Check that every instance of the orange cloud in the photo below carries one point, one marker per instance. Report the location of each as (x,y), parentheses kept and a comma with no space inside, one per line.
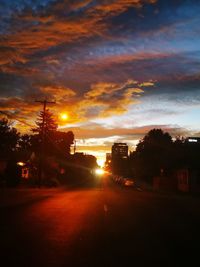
(38,32)
(110,98)
(51,32)
(101,88)
(119,6)
(19,70)
(59,93)
(147,84)
(101,100)
(19,111)
(9,54)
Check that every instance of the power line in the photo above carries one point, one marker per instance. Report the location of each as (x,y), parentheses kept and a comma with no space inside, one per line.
(12,117)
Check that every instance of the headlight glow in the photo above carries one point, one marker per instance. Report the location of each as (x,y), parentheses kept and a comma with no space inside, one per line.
(99,171)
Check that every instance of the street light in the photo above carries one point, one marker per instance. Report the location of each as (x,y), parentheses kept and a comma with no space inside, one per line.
(20,163)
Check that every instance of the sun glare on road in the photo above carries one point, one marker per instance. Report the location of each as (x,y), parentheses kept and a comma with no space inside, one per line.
(100,161)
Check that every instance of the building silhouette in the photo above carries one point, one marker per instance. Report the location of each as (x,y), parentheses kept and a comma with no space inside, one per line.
(120,159)
(108,157)
(193,140)
(108,161)
(119,151)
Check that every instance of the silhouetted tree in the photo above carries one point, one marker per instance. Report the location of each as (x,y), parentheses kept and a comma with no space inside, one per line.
(8,138)
(25,142)
(44,131)
(63,142)
(153,153)
(55,143)
(48,126)
(156,139)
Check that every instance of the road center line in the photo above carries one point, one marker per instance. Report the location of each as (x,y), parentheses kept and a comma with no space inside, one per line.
(105,207)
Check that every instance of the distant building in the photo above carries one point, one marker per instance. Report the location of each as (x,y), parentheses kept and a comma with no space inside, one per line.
(108,161)
(194,140)
(108,157)
(119,158)
(120,151)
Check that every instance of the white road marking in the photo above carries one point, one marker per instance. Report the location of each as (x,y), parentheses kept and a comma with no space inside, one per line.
(105,207)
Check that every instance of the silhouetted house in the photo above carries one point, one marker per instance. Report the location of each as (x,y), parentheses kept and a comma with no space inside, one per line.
(119,151)
(3,165)
(165,183)
(25,172)
(183,180)
(188,176)
(188,180)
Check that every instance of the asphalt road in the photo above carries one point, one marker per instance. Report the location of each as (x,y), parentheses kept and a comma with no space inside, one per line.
(105,225)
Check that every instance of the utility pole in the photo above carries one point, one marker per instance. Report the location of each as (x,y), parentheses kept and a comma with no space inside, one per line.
(74,146)
(43,136)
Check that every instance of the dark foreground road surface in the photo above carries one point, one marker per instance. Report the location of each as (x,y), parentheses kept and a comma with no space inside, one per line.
(101,226)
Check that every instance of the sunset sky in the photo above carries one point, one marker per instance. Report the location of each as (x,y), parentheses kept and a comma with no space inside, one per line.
(118,68)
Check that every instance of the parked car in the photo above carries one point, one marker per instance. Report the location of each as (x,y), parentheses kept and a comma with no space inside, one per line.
(118,178)
(128,182)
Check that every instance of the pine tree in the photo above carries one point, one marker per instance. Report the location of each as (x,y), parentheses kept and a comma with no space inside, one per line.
(45,130)
(45,123)
(48,139)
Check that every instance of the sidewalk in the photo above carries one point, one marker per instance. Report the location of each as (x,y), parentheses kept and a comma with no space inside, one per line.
(15,196)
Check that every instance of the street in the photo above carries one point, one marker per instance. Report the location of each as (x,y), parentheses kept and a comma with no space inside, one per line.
(103,225)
